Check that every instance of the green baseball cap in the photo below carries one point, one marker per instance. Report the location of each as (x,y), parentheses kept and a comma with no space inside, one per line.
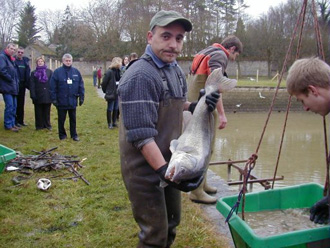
(163,18)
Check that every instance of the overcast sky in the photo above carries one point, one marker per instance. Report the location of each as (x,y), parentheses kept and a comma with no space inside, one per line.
(257,7)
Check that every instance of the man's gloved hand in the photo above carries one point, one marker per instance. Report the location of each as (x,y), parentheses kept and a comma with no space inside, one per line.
(184,186)
(192,107)
(319,212)
(81,101)
(211,100)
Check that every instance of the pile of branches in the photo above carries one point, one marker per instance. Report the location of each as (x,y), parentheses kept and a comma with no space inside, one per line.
(46,161)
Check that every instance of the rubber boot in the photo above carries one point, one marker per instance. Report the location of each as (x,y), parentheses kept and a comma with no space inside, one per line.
(109,114)
(200,196)
(114,118)
(209,189)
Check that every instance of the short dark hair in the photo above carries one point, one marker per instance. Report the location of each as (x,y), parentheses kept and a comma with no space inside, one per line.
(231,41)
(133,56)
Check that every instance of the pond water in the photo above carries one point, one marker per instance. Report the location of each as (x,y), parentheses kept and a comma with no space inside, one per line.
(271,223)
(302,158)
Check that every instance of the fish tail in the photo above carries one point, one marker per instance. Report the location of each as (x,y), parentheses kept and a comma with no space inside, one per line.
(225,84)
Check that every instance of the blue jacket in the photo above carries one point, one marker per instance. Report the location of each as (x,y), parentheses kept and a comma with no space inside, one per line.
(8,75)
(66,85)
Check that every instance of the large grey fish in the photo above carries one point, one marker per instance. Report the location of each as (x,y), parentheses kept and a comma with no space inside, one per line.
(192,150)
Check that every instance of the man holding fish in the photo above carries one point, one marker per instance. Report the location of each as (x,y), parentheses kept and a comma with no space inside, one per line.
(152,96)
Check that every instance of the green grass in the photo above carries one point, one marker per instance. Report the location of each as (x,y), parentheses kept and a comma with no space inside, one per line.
(71,213)
(262,82)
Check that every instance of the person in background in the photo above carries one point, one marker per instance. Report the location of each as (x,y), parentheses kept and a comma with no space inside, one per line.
(109,87)
(23,71)
(124,64)
(9,86)
(66,87)
(99,77)
(207,60)
(94,76)
(152,98)
(132,58)
(309,81)
(40,94)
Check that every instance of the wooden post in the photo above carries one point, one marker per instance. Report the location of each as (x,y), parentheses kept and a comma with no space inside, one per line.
(257,75)
(275,76)
(50,64)
(240,179)
(229,172)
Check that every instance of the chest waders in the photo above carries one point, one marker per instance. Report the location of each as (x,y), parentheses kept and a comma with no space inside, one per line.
(157,210)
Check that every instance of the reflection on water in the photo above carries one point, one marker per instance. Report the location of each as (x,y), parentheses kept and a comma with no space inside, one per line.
(303,154)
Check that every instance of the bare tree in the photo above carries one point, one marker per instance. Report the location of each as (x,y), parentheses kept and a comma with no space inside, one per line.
(9,17)
(108,28)
(50,20)
(103,19)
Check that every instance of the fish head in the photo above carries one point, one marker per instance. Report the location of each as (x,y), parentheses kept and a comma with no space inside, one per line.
(182,167)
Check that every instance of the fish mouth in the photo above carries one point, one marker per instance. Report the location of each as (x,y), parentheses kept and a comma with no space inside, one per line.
(182,175)
(169,174)
(175,177)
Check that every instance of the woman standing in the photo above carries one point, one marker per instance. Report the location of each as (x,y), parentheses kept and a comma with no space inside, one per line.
(39,93)
(125,62)
(109,87)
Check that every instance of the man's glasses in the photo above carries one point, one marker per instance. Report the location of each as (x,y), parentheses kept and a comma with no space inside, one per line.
(20,52)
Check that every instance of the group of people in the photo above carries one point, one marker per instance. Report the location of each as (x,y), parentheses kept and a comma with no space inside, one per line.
(153,94)
(61,88)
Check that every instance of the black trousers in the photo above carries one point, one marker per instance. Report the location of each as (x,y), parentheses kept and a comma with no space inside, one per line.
(42,115)
(61,113)
(20,106)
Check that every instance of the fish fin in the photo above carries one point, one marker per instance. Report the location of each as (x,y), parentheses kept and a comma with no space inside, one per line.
(173,145)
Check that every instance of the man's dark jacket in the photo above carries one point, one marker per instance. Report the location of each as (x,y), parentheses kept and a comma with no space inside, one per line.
(8,75)
(63,94)
(27,73)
